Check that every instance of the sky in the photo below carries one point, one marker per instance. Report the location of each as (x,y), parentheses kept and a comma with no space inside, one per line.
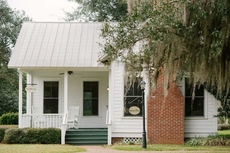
(44,10)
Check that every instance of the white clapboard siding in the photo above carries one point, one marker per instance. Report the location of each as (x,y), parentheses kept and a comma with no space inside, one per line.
(121,126)
(75,94)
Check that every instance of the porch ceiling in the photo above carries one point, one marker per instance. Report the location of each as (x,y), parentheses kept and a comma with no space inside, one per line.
(57,45)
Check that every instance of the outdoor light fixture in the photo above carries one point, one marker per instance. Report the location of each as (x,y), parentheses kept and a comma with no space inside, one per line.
(142,84)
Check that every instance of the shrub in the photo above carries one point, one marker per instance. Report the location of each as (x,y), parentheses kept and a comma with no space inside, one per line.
(13,136)
(9,119)
(33,136)
(209,141)
(50,136)
(2,134)
(223,127)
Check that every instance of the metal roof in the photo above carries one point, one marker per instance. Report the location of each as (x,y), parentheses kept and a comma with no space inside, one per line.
(57,44)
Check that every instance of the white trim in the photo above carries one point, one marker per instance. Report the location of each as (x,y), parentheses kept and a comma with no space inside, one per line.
(65,92)
(20,100)
(29,94)
(127,134)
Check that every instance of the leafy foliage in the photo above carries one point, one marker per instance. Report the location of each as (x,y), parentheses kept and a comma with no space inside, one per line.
(9,119)
(223,126)
(98,10)
(10,24)
(209,141)
(33,136)
(177,36)
(2,134)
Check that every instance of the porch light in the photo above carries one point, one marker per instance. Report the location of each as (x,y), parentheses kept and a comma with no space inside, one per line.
(142,84)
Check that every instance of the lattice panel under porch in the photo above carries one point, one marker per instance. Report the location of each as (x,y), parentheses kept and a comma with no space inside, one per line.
(132,140)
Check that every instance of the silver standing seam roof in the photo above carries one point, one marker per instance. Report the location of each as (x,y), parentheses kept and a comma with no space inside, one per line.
(57,44)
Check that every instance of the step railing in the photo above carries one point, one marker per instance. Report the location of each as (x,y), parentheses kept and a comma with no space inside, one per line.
(64,128)
(109,124)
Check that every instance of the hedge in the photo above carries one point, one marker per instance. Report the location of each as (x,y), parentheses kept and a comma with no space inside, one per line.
(2,133)
(33,136)
(9,119)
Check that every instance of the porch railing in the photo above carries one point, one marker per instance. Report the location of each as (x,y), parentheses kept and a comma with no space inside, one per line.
(42,120)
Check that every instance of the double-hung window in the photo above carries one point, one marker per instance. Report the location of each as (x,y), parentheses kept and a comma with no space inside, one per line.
(194,108)
(132,98)
(50,97)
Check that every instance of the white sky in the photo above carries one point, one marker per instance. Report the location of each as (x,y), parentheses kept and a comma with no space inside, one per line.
(43,10)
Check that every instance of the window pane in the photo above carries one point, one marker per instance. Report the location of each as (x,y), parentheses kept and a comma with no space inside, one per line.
(90,99)
(54,89)
(50,105)
(130,102)
(196,107)
(50,97)
(133,99)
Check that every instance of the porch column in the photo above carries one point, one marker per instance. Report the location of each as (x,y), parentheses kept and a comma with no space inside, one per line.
(20,100)
(65,92)
(29,95)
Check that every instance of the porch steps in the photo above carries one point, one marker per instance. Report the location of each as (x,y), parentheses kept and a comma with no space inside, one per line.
(87,136)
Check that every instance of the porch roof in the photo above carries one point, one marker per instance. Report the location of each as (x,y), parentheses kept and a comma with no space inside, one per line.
(57,45)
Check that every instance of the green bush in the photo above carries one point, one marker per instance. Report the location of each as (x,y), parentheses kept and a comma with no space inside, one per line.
(209,141)
(223,127)
(13,136)
(9,119)
(2,134)
(33,136)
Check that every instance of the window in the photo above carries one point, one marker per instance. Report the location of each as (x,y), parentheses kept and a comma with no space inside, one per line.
(50,97)
(133,98)
(194,108)
(90,99)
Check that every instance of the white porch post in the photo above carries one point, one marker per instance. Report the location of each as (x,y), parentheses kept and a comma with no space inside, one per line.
(28,95)
(20,100)
(64,124)
(65,92)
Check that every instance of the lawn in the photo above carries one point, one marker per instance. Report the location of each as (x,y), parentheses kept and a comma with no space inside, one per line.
(181,148)
(224,132)
(31,148)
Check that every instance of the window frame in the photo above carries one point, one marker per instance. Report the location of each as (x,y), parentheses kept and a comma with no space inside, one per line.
(99,96)
(204,103)
(91,98)
(43,96)
(124,107)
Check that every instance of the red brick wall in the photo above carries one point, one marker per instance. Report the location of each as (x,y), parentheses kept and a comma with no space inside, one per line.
(165,115)
(117,140)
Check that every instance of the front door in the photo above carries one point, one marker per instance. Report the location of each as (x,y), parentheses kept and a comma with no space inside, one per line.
(90,98)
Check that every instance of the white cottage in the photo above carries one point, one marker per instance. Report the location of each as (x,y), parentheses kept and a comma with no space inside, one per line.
(68,88)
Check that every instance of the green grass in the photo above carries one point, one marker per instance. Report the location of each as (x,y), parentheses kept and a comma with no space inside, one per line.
(29,148)
(216,149)
(224,132)
(8,126)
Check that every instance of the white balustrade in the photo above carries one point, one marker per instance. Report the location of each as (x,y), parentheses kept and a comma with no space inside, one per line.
(42,120)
